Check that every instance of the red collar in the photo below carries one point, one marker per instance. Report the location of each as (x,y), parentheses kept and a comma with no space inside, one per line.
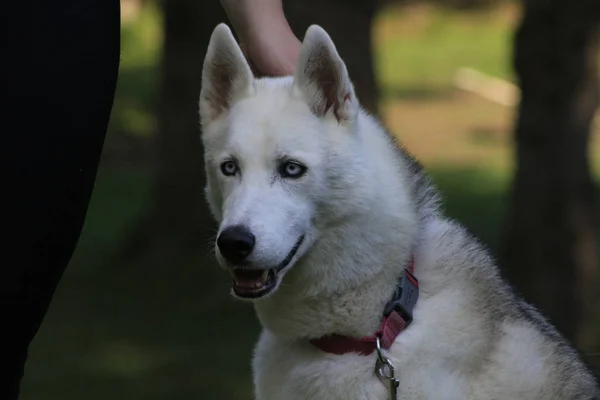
(397,317)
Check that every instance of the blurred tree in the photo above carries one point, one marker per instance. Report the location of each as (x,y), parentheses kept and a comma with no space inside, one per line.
(550,249)
(349,24)
(178,223)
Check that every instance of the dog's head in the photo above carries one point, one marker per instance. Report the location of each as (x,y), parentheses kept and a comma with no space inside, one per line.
(274,150)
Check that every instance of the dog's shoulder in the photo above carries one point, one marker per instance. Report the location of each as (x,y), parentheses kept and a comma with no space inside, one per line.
(509,342)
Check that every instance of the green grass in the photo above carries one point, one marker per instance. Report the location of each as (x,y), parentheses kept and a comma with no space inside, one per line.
(126,331)
(135,100)
(421,48)
(120,198)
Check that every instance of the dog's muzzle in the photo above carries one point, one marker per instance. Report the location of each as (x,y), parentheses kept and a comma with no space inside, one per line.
(253,283)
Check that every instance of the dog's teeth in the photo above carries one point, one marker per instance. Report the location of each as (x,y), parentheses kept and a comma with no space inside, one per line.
(250,279)
(264,277)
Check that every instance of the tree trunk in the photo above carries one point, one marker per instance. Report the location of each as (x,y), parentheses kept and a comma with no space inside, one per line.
(178,222)
(188,25)
(349,23)
(550,252)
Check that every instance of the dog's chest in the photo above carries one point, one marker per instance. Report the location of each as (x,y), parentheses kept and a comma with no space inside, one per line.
(302,373)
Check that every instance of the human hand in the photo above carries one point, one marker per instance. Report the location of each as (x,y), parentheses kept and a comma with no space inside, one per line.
(272,50)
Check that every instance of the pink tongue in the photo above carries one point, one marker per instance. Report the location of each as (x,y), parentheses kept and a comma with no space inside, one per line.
(249,279)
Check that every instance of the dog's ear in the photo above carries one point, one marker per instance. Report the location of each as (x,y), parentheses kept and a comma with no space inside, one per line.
(226,75)
(322,77)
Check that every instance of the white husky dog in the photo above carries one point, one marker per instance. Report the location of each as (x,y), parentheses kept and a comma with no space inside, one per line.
(336,235)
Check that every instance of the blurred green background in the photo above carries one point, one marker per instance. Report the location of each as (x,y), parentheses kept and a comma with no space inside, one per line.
(142,329)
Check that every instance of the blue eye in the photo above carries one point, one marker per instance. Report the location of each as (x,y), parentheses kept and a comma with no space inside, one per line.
(292,169)
(229,168)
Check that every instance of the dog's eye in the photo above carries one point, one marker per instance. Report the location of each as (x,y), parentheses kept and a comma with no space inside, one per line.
(229,168)
(292,169)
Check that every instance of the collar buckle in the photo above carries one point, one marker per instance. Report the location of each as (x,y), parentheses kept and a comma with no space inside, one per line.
(405,298)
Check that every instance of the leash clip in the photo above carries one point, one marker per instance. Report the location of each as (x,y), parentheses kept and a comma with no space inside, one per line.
(384,369)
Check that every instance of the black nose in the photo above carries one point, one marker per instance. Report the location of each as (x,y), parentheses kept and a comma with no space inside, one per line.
(236,243)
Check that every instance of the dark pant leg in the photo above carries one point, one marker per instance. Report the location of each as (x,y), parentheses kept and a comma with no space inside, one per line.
(58,70)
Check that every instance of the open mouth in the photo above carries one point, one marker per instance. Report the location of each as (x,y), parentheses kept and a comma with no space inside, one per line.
(255,283)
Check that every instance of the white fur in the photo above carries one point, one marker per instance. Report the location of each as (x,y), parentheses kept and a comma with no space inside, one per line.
(363,210)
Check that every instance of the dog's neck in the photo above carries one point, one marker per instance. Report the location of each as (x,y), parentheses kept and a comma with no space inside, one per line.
(305,307)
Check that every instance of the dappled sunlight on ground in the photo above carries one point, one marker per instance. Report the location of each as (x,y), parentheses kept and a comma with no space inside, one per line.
(459,130)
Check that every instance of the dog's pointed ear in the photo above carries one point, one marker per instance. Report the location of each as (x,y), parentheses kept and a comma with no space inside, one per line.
(322,77)
(226,75)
